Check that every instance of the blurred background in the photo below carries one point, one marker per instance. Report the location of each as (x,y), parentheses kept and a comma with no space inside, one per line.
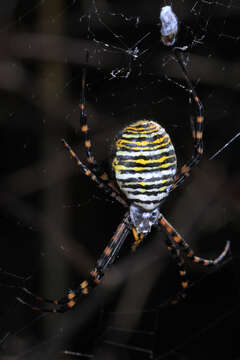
(55,223)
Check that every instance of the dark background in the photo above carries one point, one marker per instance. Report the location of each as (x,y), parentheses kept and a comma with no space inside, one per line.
(55,223)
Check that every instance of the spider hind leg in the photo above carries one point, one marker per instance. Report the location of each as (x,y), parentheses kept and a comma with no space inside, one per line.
(182,272)
(174,236)
(61,305)
(103,263)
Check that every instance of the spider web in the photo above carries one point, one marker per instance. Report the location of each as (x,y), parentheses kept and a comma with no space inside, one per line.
(48,209)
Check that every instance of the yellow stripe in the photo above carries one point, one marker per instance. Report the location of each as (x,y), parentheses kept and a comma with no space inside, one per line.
(130,134)
(164,166)
(139,168)
(148,191)
(120,146)
(140,129)
(146,148)
(142,183)
(143,161)
(120,142)
(142,132)
(143,143)
(163,188)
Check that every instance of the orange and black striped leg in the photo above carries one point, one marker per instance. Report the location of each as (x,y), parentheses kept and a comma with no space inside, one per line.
(100,183)
(138,238)
(109,254)
(196,124)
(181,243)
(112,249)
(59,306)
(85,130)
(182,272)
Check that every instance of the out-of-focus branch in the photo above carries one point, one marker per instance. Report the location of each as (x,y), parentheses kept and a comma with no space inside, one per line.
(45,47)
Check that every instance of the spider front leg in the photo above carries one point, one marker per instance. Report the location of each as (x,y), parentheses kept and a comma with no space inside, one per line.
(100,183)
(85,129)
(174,236)
(196,125)
(97,174)
(103,263)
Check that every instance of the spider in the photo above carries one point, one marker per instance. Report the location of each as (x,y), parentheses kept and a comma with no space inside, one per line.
(145,171)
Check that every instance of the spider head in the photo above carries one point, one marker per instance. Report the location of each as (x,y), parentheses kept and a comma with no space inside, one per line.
(143,220)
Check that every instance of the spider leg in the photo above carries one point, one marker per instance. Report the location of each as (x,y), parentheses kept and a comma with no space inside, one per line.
(138,238)
(100,183)
(85,129)
(182,272)
(174,236)
(106,259)
(196,125)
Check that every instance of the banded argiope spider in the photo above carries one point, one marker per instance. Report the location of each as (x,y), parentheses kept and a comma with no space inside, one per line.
(145,171)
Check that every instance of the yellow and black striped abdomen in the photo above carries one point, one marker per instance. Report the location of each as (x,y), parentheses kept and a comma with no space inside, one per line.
(144,163)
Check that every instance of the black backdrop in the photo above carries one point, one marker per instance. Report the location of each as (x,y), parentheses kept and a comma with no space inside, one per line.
(55,223)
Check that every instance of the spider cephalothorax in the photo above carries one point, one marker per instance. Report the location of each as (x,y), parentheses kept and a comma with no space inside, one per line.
(143,220)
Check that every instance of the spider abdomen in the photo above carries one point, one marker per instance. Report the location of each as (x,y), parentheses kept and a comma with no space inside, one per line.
(144,163)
